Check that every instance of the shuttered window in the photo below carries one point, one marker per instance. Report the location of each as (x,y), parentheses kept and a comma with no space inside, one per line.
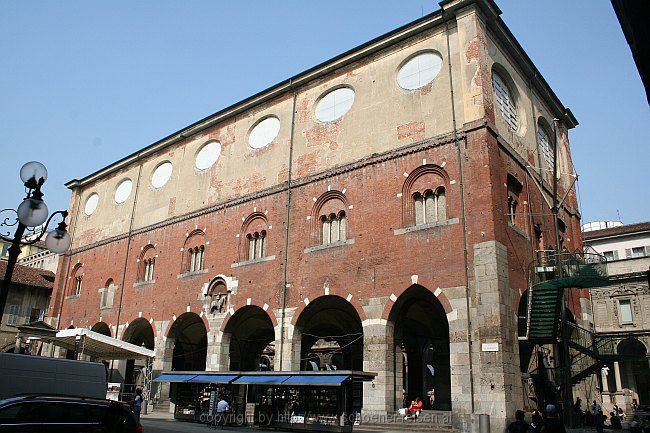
(505,101)
(545,146)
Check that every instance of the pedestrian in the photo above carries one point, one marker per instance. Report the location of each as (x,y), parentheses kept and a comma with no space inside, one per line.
(577,412)
(137,403)
(222,408)
(551,423)
(595,407)
(536,422)
(519,425)
(600,421)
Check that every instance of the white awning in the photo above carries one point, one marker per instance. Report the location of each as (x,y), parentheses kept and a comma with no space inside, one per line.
(99,346)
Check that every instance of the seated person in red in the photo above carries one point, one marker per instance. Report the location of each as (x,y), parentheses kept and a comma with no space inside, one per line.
(415,408)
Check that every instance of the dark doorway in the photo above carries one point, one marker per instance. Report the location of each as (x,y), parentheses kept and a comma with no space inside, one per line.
(331,335)
(422,340)
(635,372)
(251,340)
(139,333)
(190,343)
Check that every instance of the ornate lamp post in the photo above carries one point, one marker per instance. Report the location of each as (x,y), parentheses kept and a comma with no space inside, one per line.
(31,213)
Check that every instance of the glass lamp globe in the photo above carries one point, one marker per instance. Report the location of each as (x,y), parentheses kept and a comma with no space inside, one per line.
(58,241)
(32,212)
(33,170)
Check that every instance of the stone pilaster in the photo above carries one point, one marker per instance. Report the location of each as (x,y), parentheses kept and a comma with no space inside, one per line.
(378,353)
(290,346)
(497,378)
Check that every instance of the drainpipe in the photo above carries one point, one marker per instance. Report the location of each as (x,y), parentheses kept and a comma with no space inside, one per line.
(126,260)
(462,210)
(283,293)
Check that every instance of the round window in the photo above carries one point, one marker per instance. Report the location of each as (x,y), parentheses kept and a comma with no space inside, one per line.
(264,132)
(123,191)
(208,155)
(419,71)
(91,204)
(335,104)
(161,174)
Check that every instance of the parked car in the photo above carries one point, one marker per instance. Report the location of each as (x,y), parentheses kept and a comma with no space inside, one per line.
(63,414)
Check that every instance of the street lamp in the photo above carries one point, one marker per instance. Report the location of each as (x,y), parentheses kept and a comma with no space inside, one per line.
(31,213)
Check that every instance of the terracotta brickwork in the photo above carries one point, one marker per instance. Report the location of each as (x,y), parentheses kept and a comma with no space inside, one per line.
(472,258)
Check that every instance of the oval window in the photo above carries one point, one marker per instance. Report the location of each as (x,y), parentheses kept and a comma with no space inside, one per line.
(123,191)
(335,104)
(419,71)
(91,204)
(161,174)
(208,155)
(264,132)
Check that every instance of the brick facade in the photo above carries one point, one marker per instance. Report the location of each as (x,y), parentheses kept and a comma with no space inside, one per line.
(472,263)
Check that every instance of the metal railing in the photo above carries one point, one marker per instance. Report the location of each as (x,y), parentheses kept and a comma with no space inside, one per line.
(548,265)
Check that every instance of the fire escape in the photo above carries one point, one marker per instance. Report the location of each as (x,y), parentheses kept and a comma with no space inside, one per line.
(545,325)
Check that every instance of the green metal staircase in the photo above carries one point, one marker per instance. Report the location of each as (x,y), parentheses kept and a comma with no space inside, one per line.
(550,274)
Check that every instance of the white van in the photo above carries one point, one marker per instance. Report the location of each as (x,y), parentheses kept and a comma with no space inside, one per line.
(26,374)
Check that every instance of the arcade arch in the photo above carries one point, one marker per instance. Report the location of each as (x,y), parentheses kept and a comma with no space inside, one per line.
(101,328)
(329,335)
(249,338)
(188,338)
(421,343)
(140,333)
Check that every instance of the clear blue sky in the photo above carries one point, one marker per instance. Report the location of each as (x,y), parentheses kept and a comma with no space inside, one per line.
(83,83)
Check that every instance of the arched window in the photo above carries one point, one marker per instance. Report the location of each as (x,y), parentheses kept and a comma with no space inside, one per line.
(195,260)
(424,199)
(514,191)
(256,245)
(107,294)
(329,216)
(429,207)
(334,228)
(194,252)
(147,264)
(546,148)
(76,279)
(505,101)
(512,210)
(254,232)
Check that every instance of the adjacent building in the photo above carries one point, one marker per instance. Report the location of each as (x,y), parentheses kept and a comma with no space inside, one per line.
(379,212)
(622,309)
(27,300)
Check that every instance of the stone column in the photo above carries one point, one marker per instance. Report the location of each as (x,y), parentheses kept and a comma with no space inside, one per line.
(218,354)
(617,376)
(289,344)
(378,395)
(603,376)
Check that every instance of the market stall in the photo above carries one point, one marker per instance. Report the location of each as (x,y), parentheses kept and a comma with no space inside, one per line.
(303,400)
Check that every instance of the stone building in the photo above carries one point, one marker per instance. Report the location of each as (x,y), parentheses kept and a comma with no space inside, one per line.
(27,300)
(622,310)
(386,203)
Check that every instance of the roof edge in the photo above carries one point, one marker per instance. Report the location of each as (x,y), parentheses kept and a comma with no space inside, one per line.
(348,57)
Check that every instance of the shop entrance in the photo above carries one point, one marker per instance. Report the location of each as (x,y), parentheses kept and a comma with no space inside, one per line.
(251,338)
(331,335)
(422,348)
